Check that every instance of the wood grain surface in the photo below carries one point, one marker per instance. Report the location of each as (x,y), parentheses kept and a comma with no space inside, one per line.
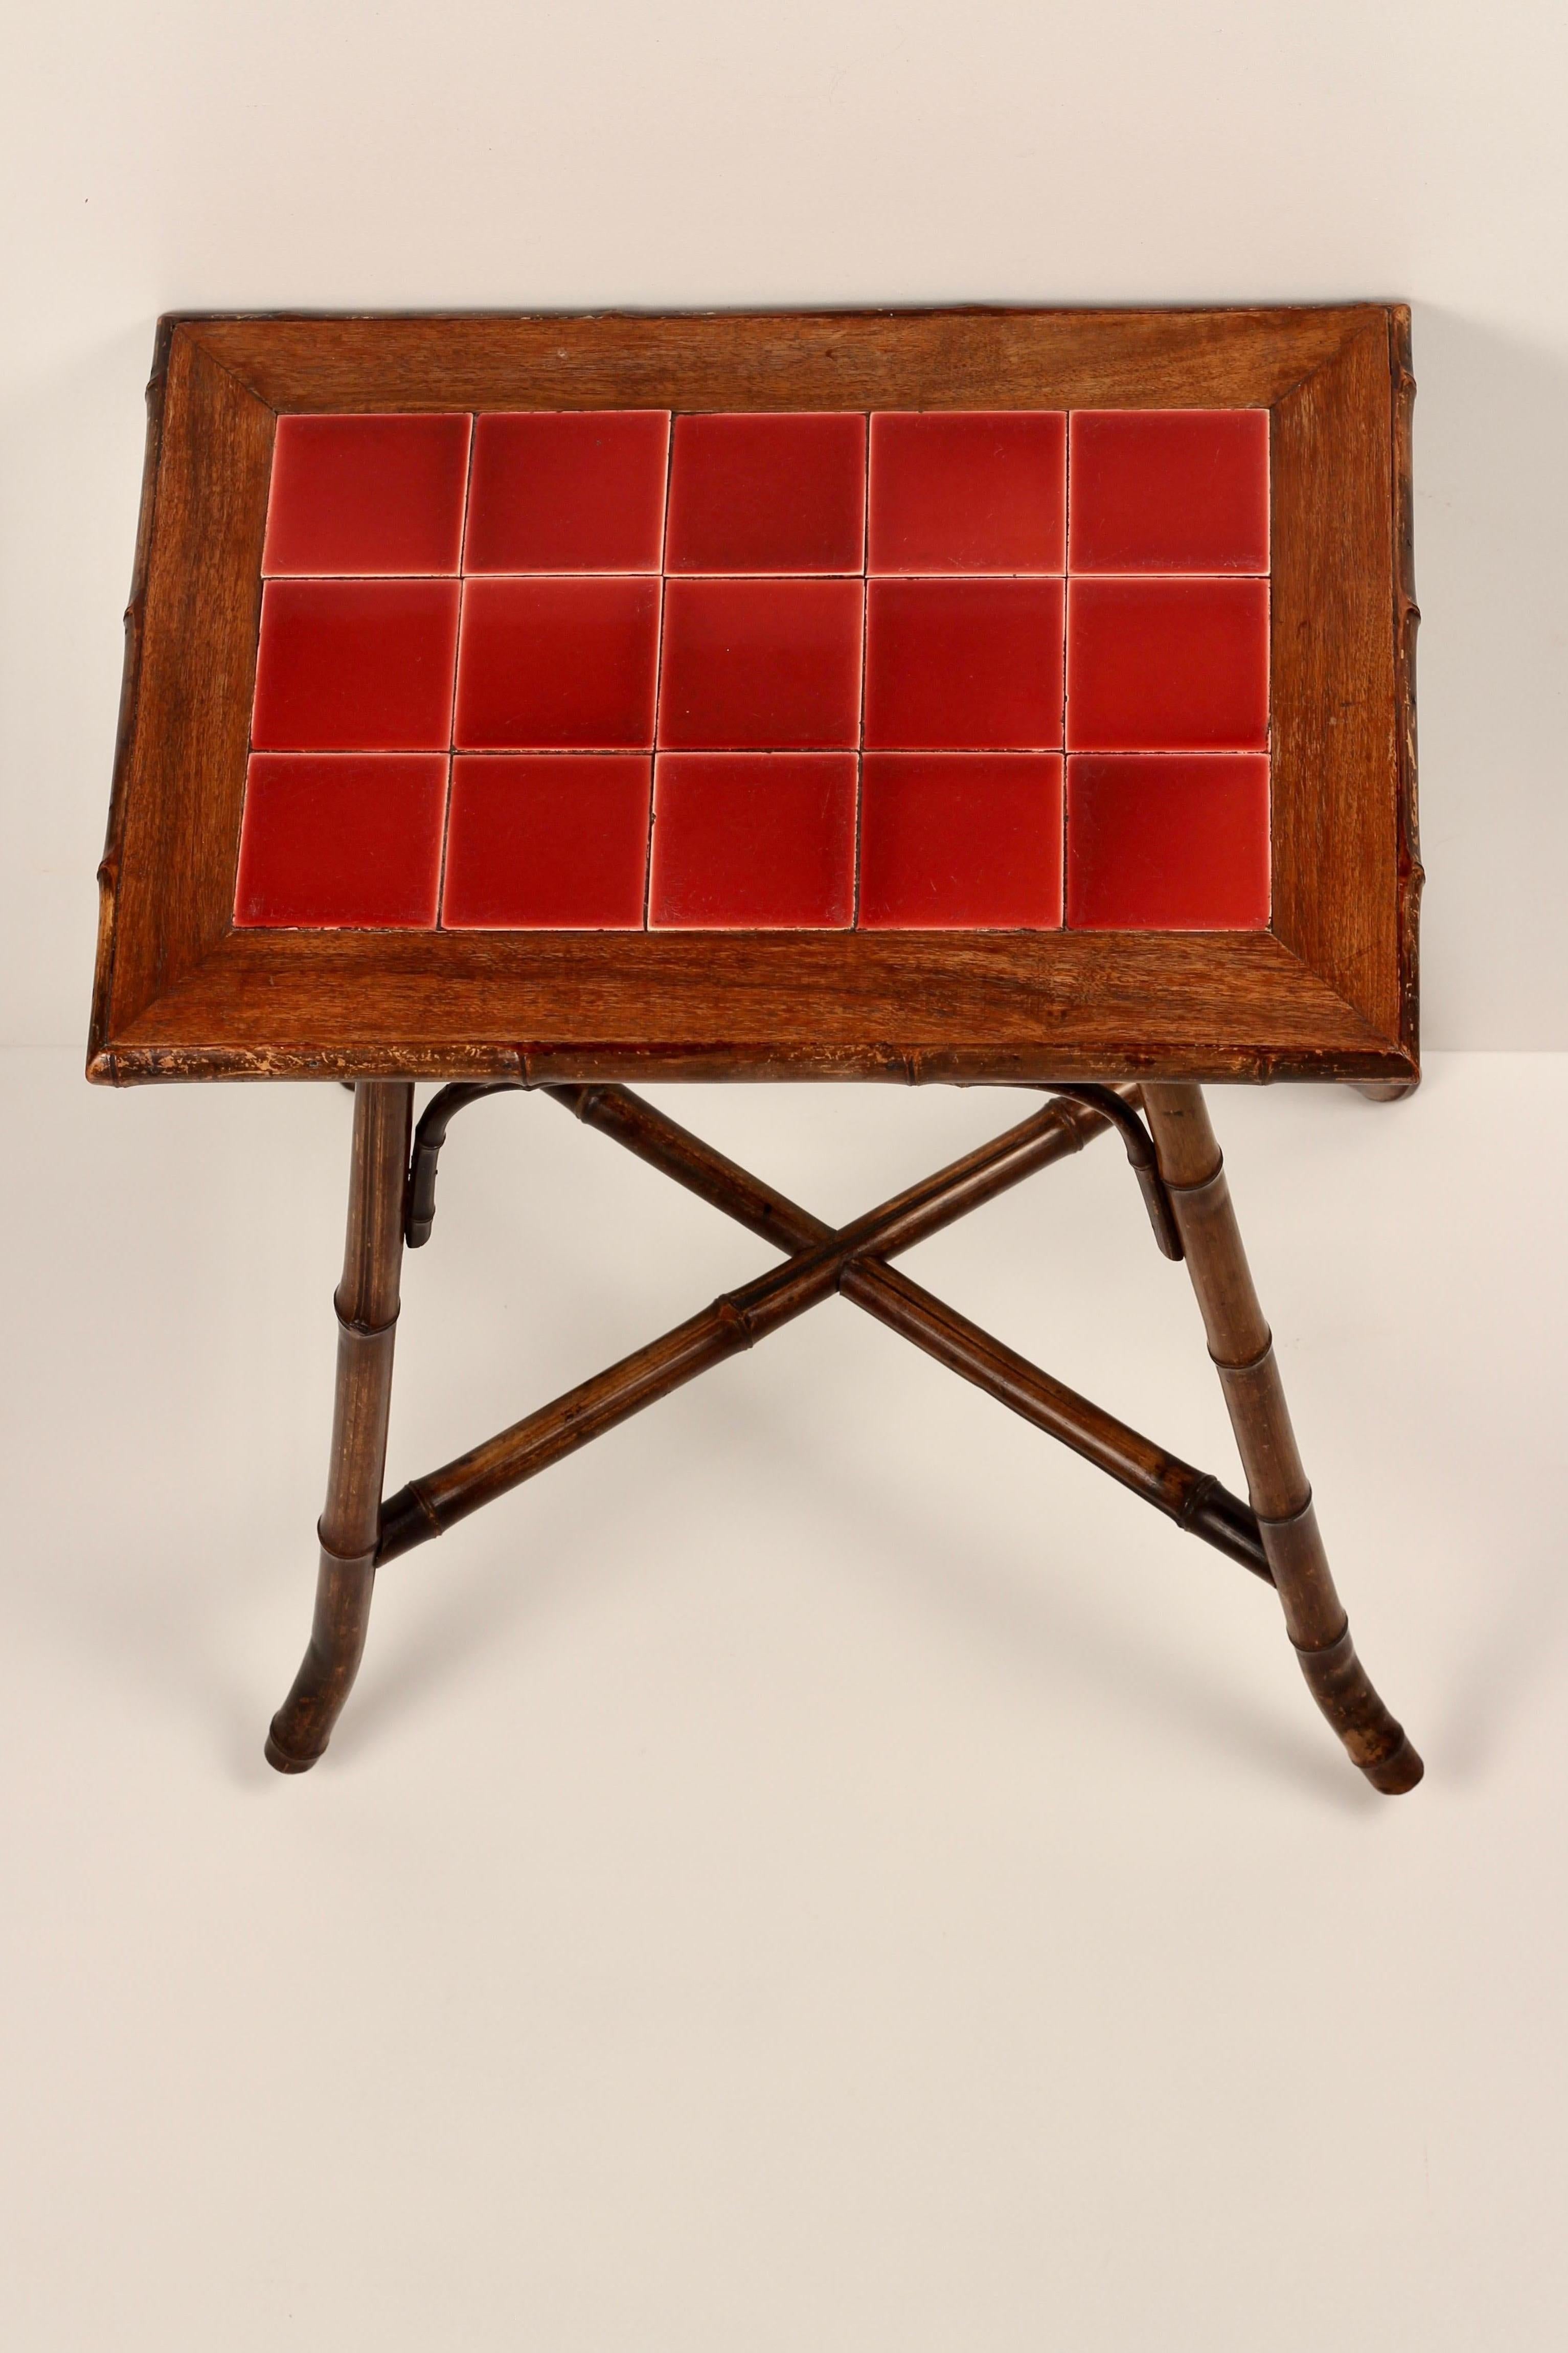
(851,359)
(1330,994)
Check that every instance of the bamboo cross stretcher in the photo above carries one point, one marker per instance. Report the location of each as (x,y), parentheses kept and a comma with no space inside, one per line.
(1179,1168)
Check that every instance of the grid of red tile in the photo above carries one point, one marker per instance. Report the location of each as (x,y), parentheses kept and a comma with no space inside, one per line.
(610,669)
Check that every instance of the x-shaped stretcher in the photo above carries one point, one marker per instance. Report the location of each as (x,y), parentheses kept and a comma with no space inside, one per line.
(1179,1170)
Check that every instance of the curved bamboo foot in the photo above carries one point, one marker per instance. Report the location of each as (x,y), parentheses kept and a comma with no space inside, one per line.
(303,1724)
(1242,1348)
(366,1305)
(1372,1738)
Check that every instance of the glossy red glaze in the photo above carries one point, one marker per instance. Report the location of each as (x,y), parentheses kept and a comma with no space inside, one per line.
(1167,843)
(355,665)
(961,841)
(767,494)
(557,664)
(574,653)
(366,494)
(963,665)
(568,491)
(341,840)
(1167,665)
(547,841)
(1180,489)
(968,493)
(759,665)
(761,841)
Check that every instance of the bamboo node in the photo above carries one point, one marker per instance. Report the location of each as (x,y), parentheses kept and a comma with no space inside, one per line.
(1243,1364)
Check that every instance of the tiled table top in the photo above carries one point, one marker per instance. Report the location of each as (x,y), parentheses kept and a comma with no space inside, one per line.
(609,670)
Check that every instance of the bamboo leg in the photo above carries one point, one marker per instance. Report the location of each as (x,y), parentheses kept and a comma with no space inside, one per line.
(366,1304)
(1243,1351)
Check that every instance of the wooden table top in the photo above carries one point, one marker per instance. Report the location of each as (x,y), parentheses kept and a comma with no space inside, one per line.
(966,695)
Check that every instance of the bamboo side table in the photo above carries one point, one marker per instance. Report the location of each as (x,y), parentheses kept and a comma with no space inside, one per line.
(1006,698)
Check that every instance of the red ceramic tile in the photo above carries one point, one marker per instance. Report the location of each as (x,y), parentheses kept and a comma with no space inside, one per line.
(570,491)
(983,491)
(355,665)
(763,841)
(1168,665)
(548,841)
(963,665)
(767,494)
(341,839)
(961,841)
(366,494)
(1180,489)
(754,665)
(558,665)
(1168,844)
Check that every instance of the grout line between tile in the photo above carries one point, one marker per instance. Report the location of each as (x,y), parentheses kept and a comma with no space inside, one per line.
(456,671)
(1269,724)
(1164,752)
(1067,585)
(760,752)
(1137,579)
(657,671)
(468,496)
(649,572)
(988,579)
(865,641)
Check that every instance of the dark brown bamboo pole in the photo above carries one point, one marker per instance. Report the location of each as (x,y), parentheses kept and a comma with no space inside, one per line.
(824,1260)
(737,1320)
(1053,1133)
(1243,1350)
(1191,1498)
(366,1302)
(1195,1500)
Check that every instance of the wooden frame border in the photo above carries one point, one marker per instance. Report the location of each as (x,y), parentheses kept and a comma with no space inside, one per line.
(1330,992)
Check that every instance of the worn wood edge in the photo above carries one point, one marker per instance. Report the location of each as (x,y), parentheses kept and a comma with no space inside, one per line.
(129,686)
(1232,985)
(1381,333)
(263,349)
(757,1062)
(1407,621)
(1357,1055)
(1352,315)
(167,921)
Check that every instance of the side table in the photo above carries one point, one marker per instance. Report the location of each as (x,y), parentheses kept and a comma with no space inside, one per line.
(992,698)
